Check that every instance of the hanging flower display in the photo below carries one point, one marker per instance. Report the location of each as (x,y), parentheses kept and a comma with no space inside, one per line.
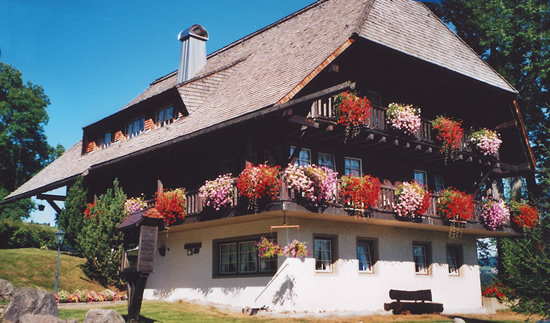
(411,200)
(455,205)
(171,205)
(296,249)
(268,249)
(449,132)
(487,141)
(317,185)
(524,215)
(360,192)
(494,212)
(218,193)
(135,204)
(404,117)
(351,111)
(257,182)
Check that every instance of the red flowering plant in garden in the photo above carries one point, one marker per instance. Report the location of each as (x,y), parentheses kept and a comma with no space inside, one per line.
(455,205)
(360,192)
(524,215)
(499,291)
(171,205)
(351,111)
(257,182)
(411,200)
(450,133)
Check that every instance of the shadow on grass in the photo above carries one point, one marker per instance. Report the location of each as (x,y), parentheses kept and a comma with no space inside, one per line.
(142,319)
(469,320)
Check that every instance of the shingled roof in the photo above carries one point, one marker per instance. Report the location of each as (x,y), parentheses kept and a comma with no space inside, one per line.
(253,73)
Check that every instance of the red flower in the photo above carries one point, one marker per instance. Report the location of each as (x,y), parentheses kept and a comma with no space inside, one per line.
(256,182)
(455,205)
(450,133)
(360,192)
(351,111)
(171,205)
(524,215)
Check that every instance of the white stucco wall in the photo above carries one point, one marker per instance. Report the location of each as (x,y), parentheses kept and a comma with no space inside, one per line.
(298,287)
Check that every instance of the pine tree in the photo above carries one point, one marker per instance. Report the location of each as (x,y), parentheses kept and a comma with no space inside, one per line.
(71,218)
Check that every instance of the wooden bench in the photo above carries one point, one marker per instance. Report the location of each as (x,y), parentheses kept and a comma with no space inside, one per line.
(413,302)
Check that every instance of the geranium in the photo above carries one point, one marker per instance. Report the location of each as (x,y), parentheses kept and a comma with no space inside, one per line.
(296,249)
(450,133)
(499,291)
(316,184)
(171,205)
(411,200)
(404,117)
(455,205)
(524,215)
(351,111)
(494,212)
(257,182)
(135,204)
(360,192)
(268,249)
(218,193)
(487,141)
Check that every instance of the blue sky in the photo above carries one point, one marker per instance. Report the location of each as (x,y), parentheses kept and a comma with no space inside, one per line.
(92,57)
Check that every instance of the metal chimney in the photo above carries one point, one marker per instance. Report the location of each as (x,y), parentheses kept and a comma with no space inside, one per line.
(193,52)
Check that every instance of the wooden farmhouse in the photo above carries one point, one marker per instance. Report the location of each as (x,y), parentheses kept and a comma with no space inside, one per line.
(270,98)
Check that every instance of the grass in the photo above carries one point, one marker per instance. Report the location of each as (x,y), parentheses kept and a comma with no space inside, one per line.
(35,268)
(154,311)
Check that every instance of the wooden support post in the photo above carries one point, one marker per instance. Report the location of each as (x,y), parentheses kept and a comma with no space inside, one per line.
(160,187)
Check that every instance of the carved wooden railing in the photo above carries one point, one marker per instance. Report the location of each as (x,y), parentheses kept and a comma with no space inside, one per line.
(384,204)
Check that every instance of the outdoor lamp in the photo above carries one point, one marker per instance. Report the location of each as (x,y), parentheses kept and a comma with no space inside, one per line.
(59,236)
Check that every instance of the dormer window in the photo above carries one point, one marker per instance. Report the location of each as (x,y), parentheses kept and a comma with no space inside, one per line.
(104,140)
(135,127)
(165,116)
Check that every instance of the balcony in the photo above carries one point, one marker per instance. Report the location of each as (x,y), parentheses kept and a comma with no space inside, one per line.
(381,214)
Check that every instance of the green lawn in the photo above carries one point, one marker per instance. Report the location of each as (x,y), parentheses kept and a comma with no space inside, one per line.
(36,268)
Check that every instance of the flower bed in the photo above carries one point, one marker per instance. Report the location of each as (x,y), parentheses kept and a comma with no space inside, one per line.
(88,296)
(487,141)
(317,185)
(411,200)
(257,182)
(351,111)
(404,117)
(449,132)
(218,193)
(171,205)
(524,215)
(360,192)
(135,204)
(455,205)
(494,213)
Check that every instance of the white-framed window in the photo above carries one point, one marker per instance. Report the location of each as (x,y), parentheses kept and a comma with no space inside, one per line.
(164,116)
(454,259)
(422,257)
(240,257)
(135,127)
(304,156)
(352,166)
(105,140)
(421,177)
(327,160)
(365,255)
(324,253)
(439,184)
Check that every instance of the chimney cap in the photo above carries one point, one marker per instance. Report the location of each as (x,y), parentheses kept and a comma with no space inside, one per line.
(196,31)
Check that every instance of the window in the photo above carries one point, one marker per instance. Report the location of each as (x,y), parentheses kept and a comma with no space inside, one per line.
(104,140)
(135,127)
(374,98)
(352,166)
(324,254)
(420,177)
(327,160)
(365,255)
(165,116)
(422,257)
(454,259)
(439,184)
(304,156)
(240,257)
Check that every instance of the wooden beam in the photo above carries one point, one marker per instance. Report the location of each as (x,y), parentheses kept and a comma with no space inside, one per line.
(308,122)
(507,124)
(51,197)
(54,205)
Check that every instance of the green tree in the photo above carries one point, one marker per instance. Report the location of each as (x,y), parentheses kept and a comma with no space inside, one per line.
(71,218)
(99,241)
(23,146)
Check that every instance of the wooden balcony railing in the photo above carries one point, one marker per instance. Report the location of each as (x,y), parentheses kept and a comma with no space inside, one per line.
(384,203)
